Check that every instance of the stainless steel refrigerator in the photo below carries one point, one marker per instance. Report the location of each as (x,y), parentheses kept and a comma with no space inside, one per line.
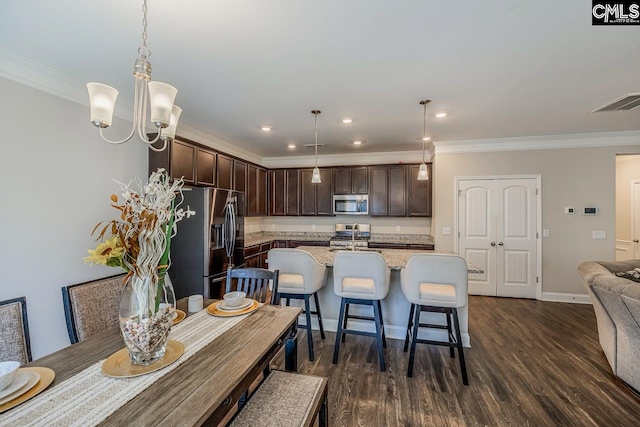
(208,243)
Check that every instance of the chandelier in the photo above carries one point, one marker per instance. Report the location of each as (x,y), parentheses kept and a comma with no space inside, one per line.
(315,176)
(163,113)
(423,174)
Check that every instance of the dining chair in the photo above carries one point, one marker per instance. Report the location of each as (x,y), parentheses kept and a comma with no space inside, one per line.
(259,284)
(92,307)
(14,331)
(301,277)
(361,278)
(437,284)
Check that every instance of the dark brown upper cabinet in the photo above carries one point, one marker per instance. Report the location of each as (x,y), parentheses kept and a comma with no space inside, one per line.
(397,191)
(419,197)
(316,199)
(263,192)
(225,172)
(278,192)
(240,176)
(378,191)
(257,191)
(252,190)
(183,161)
(388,191)
(350,180)
(205,167)
(292,203)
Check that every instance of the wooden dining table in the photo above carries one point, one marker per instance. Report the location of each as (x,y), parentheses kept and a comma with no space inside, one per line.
(203,389)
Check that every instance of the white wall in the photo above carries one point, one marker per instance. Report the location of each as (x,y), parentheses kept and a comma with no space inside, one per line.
(57,177)
(575,177)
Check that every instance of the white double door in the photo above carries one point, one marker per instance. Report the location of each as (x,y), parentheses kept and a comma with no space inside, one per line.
(497,231)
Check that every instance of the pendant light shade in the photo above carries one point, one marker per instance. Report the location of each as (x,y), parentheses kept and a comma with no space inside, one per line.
(423,173)
(315,177)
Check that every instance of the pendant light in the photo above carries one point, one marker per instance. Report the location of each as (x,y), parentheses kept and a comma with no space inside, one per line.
(315,177)
(423,173)
(164,114)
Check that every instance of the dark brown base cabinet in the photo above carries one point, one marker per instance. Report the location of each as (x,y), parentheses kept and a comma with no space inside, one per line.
(401,246)
(256,256)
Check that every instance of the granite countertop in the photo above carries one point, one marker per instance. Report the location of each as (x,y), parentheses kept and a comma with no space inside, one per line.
(396,258)
(258,238)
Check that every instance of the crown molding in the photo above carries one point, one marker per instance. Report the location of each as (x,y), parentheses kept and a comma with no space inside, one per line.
(38,76)
(579,140)
(328,160)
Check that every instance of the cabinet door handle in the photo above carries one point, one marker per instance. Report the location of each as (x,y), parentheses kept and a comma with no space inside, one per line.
(500,244)
(493,243)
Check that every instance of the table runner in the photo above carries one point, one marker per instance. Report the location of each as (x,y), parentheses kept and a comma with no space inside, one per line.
(89,397)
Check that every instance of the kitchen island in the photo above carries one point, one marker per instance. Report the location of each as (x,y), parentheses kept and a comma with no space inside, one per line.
(395,307)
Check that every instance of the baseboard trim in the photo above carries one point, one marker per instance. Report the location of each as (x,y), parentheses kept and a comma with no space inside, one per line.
(391,331)
(563,297)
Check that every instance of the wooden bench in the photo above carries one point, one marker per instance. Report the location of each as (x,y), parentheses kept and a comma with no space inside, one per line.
(286,399)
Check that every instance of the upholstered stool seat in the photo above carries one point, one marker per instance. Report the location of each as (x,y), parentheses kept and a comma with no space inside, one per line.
(285,399)
(361,278)
(14,331)
(436,284)
(301,277)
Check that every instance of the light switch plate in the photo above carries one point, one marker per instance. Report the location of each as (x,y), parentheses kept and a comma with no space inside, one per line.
(598,234)
(446,231)
(545,232)
(397,228)
(313,226)
(569,211)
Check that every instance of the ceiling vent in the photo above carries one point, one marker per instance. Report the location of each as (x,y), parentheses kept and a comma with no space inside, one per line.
(627,102)
(313,145)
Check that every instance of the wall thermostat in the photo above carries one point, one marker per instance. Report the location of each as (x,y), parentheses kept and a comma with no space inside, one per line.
(569,211)
(590,211)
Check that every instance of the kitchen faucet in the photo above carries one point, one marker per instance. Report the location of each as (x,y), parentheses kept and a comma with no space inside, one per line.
(354,227)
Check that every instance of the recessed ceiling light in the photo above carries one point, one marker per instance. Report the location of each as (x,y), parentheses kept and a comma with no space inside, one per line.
(358,142)
(347,120)
(266,128)
(441,115)
(425,138)
(291,145)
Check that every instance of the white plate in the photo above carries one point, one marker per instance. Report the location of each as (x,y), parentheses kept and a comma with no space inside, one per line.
(224,307)
(21,379)
(34,377)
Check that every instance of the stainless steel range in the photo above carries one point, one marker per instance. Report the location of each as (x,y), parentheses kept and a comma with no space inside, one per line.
(351,235)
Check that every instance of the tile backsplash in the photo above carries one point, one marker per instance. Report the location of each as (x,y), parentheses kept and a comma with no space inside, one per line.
(326,224)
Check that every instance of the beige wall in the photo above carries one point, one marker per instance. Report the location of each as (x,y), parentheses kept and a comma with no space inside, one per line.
(57,176)
(626,171)
(576,177)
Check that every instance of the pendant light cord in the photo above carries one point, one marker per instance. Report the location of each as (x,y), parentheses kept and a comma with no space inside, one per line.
(424,129)
(316,121)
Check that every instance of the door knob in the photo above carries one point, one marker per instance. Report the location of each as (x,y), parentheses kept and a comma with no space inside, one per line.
(635,240)
(493,243)
(500,244)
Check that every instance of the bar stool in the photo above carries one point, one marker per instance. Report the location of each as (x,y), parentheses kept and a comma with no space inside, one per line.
(435,283)
(301,276)
(361,278)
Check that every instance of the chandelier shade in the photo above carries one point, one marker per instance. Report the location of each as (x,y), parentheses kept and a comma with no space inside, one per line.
(103,101)
(170,131)
(160,96)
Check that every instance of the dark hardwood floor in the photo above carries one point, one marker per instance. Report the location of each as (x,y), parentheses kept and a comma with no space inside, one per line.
(532,364)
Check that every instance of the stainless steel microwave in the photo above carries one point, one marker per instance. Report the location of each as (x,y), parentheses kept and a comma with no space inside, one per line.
(351,205)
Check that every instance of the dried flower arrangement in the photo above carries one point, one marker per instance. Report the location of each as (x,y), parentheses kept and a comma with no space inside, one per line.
(139,242)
